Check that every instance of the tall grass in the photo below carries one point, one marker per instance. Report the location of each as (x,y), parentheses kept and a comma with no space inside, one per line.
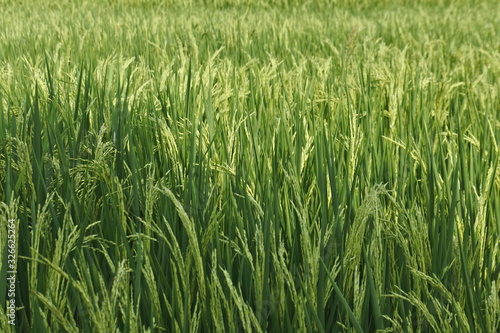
(244,166)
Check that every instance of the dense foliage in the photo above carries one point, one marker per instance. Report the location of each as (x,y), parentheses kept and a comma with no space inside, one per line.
(248,166)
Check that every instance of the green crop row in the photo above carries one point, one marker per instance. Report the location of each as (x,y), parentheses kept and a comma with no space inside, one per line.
(251,168)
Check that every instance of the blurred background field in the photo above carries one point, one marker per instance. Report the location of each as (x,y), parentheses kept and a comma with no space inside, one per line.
(251,166)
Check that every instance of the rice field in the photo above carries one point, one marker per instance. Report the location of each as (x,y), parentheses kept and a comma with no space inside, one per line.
(251,165)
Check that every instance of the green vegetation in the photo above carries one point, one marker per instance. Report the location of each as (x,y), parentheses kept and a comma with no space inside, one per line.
(251,166)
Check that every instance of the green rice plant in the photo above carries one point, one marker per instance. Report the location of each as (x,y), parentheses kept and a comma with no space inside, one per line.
(241,166)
